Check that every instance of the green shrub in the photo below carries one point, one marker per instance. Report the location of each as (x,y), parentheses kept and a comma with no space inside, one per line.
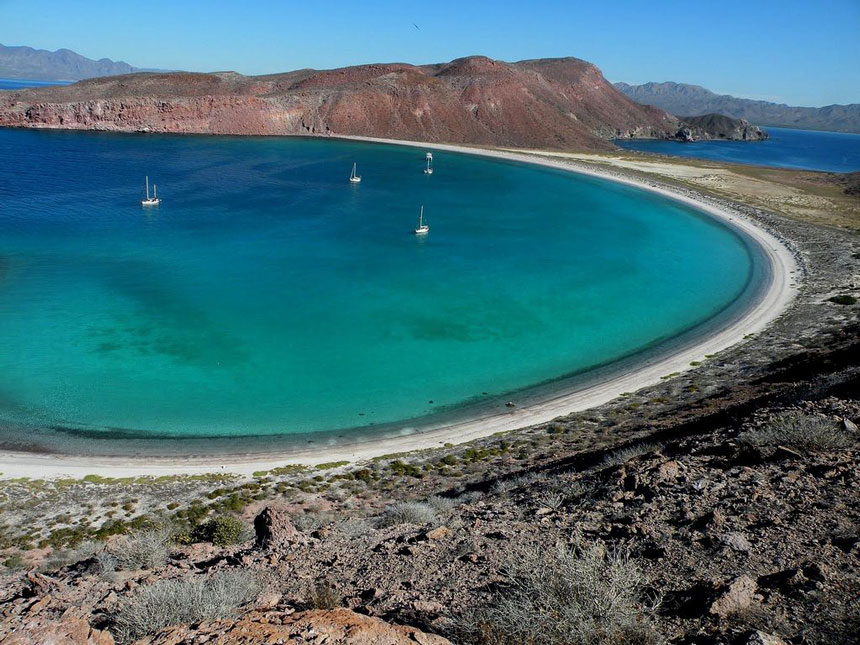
(223,530)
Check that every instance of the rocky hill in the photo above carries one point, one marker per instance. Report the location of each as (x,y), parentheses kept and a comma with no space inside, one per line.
(60,65)
(681,98)
(718,126)
(550,103)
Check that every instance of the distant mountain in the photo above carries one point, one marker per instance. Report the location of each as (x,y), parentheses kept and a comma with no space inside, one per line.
(562,103)
(61,65)
(681,98)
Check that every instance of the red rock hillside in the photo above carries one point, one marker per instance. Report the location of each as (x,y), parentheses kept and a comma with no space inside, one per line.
(560,103)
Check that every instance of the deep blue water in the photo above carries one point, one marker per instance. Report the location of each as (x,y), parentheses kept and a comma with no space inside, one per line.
(268,295)
(19,84)
(802,149)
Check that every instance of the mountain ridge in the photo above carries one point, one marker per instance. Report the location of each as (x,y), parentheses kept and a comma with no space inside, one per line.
(562,103)
(28,63)
(695,100)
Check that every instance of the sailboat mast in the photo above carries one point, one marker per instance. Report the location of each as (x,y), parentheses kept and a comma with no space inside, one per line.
(421,217)
(147,186)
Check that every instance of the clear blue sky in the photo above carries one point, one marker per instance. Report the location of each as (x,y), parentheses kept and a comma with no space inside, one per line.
(797,52)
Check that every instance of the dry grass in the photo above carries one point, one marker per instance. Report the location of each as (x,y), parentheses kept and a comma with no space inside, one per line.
(582,595)
(183,601)
(805,432)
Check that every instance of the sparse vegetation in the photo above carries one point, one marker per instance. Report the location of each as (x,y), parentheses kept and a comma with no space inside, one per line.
(325,596)
(805,432)
(408,513)
(186,600)
(581,595)
(624,455)
(144,550)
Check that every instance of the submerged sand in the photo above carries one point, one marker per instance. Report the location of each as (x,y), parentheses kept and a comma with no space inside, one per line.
(777,295)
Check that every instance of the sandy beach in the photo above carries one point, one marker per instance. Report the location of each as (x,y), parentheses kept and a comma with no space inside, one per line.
(772,302)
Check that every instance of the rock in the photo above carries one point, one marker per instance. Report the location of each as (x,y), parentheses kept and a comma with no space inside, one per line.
(274,529)
(332,627)
(849,426)
(267,600)
(438,533)
(736,541)
(757,637)
(736,597)
(668,471)
(68,631)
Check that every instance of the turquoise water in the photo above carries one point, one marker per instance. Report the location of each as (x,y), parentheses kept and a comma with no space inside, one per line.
(800,149)
(269,296)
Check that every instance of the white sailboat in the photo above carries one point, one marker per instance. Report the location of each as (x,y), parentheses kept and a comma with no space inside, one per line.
(422,227)
(353,177)
(429,169)
(151,201)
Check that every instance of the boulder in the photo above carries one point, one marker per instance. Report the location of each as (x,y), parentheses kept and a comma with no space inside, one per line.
(332,627)
(70,630)
(737,596)
(274,530)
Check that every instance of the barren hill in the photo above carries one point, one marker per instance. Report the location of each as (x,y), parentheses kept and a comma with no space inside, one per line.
(550,103)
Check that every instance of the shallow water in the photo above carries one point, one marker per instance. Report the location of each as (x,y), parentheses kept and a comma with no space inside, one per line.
(268,295)
(785,148)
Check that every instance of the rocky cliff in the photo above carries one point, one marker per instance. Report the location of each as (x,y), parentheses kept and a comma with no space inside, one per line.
(550,103)
(718,126)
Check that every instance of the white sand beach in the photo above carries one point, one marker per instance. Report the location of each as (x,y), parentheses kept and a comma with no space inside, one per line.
(773,301)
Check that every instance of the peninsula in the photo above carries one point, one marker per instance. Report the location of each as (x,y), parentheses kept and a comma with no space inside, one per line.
(560,103)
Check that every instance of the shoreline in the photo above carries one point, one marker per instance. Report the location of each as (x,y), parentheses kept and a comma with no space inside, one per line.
(777,296)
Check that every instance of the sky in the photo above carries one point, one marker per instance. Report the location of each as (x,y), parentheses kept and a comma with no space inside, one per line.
(795,52)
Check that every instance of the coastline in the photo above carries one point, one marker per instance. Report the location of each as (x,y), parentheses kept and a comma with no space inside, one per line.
(777,296)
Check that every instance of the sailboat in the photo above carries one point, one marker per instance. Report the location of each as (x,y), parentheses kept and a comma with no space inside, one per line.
(429,169)
(353,177)
(151,201)
(422,227)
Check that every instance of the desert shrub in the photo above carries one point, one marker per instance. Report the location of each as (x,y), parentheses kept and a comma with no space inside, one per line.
(623,455)
(144,550)
(221,531)
(802,431)
(582,595)
(324,596)
(63,558)
(552,500)
(407,513)
(442,504)
(181,601)
(309,522)
(354,527)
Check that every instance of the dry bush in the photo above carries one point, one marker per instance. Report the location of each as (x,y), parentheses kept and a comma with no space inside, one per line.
(325,596)
(183,601)
(408,513)
(806,432)
(581,595)
(144,550)
(623,455)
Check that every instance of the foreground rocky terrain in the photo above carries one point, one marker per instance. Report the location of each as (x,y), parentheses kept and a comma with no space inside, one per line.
(562,103)
(720,506)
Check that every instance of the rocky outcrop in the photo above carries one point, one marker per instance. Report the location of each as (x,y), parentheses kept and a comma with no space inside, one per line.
(332,627)
(274,530)
(549,103)
(717,126)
